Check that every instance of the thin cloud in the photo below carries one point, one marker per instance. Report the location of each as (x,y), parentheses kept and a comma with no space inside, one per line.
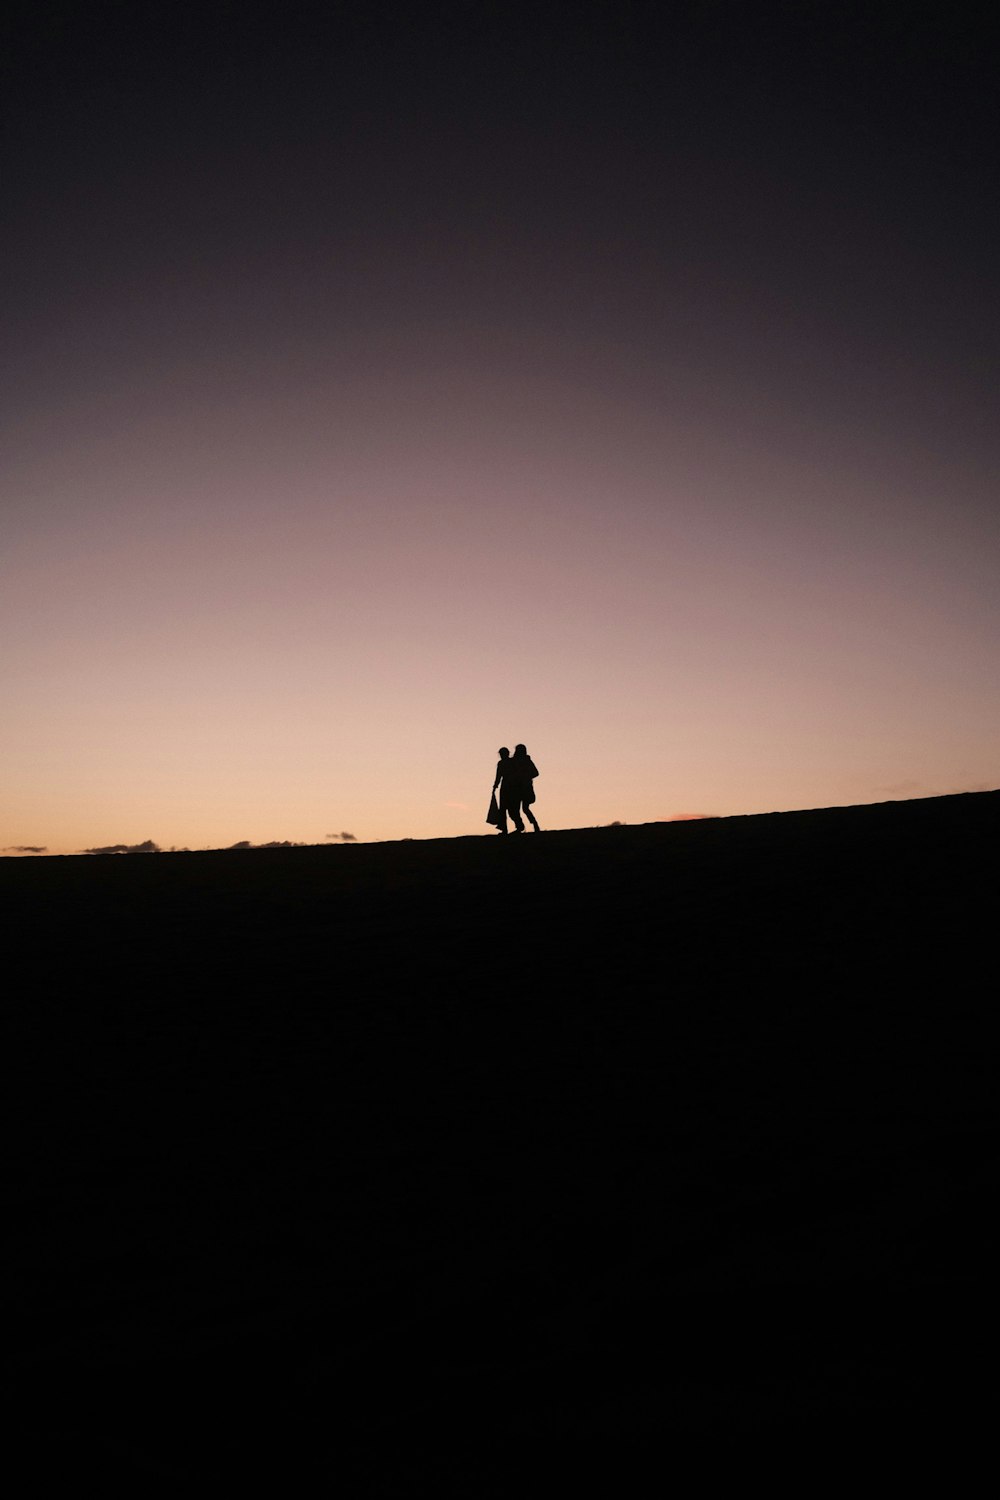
(147,847)
(686,817)
(26,849)
(345,838)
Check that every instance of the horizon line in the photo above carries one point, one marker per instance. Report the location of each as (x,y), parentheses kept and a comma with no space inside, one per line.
(340,841)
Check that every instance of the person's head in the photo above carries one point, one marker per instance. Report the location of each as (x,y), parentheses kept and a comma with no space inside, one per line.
(503,752)
(520,750)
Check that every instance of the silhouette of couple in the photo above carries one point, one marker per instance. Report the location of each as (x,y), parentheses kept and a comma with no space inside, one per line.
(515,775)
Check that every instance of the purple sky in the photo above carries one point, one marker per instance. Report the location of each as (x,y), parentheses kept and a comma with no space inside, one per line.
(381,391)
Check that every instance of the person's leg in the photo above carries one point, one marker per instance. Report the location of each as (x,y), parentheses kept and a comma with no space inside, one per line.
(531,817)
(515,812)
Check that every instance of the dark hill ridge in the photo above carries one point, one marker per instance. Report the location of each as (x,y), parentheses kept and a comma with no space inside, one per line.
(683,1128)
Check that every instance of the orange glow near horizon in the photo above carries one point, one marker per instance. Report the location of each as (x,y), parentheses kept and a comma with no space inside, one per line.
(214,664)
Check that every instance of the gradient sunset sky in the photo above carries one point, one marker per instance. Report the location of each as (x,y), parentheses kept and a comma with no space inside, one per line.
(386,387)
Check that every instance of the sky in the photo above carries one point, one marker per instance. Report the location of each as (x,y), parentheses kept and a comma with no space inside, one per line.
(383,387)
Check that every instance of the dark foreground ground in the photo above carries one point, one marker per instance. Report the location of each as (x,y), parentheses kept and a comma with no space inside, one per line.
(382,1162)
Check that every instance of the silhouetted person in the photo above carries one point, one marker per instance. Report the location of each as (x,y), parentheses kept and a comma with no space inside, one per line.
(499,781)
(519,791)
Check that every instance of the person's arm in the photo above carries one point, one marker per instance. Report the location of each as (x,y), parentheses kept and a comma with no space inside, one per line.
(496,779)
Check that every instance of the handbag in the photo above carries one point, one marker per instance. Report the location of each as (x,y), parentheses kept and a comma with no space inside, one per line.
(494,815)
